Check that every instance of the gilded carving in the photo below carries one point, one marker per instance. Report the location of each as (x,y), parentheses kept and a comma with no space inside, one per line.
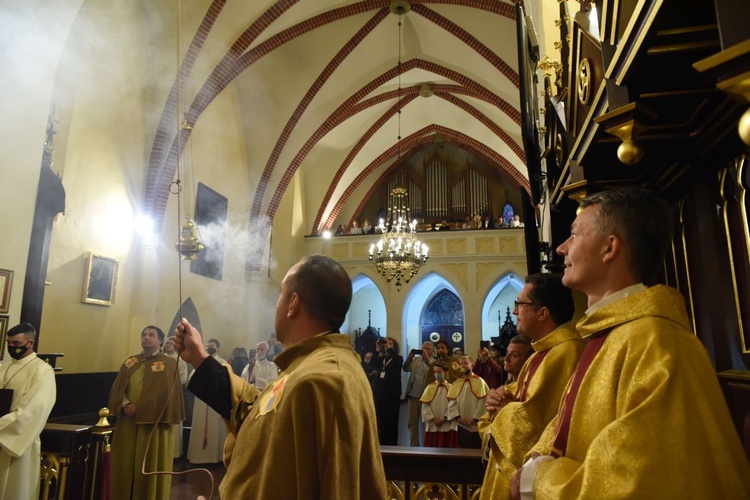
(584,81)
(559,150)
(681,212)
(485,245)
(399,490)
(394,491)
(734,194)
(438,490)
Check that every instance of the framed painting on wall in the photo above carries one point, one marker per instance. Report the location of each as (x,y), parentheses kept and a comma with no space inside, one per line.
(6,283)
(210,217)
(3,331)
(100,280)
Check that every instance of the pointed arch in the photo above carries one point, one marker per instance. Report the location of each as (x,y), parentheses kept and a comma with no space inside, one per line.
(414,305)
(366,296)
(499,297)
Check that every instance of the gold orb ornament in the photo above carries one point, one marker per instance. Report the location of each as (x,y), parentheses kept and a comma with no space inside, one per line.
(630,152)
(744,127)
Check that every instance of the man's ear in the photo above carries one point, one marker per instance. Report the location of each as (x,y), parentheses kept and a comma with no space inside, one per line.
(612,248)
(543,313)
(294,306)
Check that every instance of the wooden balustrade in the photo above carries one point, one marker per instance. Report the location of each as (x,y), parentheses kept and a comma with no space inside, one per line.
(72,458)
(71,461)
(427,473)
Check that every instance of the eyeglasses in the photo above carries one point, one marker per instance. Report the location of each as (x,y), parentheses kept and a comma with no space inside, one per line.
(521,303)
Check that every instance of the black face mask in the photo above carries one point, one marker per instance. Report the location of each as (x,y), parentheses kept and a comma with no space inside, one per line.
(17,352)
(211,351)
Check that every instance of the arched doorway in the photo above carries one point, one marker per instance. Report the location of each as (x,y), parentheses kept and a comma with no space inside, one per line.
(443,319)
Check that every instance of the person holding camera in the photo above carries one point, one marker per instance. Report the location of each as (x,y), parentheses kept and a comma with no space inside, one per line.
(487,366)
(387,390)
(419,366)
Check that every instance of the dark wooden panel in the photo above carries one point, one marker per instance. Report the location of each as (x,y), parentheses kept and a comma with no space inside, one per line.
(80,396)
(440,465)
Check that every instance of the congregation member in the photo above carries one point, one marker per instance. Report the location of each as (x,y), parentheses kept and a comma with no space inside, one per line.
(239,360)
(263,371)
(274,347)
(139,394)
(450,361)
(369,368)
(520,413)
(387,389)
(466,397)
(419,367)
(487,366)
(312,433)
(207,432)
(355,229)
(28,395)
(644,416)
(519,350)
(440,430)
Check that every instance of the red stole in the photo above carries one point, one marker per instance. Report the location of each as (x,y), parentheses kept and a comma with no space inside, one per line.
(533,367)
(566,411)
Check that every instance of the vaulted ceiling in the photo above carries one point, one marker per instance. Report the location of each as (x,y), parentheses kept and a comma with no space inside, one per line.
(324,79)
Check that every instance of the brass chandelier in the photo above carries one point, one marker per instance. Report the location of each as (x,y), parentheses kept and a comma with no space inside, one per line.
(398,254)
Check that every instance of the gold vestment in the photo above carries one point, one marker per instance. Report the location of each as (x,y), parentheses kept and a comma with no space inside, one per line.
(310,434)
(518,425)
(649,420)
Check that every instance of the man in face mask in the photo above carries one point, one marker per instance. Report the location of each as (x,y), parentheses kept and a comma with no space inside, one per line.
(440,431)
(28,385)
(208,431)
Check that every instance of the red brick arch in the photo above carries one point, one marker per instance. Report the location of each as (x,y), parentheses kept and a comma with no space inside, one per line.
(414,142)
(440,92)
(351,106)
(163,160)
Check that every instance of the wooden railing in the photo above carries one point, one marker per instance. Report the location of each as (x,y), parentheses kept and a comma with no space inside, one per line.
(72,464)
(427,473)
(71,460)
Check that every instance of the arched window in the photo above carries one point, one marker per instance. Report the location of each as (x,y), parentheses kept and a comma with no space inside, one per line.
(443,318)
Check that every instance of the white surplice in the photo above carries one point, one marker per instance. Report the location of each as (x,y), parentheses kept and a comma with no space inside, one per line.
(33,383)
